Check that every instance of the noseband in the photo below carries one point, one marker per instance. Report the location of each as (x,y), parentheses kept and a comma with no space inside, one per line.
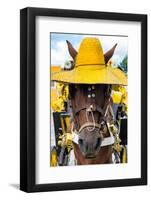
(106,141)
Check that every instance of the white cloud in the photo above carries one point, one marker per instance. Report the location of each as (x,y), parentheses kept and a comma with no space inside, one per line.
(59,54)
(121,48)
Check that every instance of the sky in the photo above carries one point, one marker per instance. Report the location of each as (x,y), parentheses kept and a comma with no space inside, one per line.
(60,54)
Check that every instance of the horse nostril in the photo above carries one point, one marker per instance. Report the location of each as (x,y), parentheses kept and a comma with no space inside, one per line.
(80,142)
(98,143)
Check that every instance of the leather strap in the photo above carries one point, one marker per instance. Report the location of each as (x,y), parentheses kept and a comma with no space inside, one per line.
(89,124)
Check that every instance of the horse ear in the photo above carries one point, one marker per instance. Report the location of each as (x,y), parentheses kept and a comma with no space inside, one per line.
(71,50)
(109,54)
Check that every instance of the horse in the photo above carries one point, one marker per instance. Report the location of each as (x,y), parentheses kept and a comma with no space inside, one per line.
(92,113)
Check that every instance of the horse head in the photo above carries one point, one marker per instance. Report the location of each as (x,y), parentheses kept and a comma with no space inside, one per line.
(89,104)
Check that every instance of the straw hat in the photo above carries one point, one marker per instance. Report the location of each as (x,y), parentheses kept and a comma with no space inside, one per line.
(90,66)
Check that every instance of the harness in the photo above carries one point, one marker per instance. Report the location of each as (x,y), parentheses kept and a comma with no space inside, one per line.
(106,141)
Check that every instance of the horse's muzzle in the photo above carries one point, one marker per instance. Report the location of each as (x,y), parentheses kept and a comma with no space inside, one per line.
(89,142)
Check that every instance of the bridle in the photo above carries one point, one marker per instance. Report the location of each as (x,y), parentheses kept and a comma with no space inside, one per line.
(91,125)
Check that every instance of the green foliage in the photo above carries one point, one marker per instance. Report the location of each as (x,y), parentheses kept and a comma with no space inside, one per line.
(123,64)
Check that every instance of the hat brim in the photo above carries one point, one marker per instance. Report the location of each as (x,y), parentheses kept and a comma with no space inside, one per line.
(89,75)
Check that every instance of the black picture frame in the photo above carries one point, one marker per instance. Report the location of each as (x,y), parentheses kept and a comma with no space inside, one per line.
(28,99)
